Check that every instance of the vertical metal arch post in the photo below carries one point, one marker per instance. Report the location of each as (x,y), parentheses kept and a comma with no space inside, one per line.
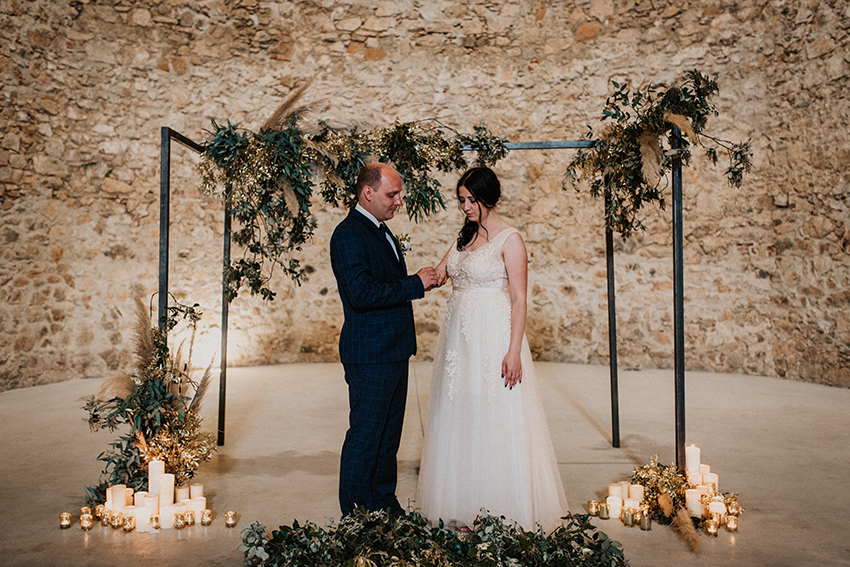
(678,305)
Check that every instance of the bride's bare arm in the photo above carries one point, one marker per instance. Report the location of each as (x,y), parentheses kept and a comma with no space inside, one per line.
(516,264)
(442,275)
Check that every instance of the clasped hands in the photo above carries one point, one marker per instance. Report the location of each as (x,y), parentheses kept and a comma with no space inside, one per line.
(432,277)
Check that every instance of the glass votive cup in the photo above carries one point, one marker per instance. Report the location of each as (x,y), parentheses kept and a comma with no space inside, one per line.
(628,517)
(189,516)
(98,512)
(593,507)
(155,524)
(65,520)
(129,523)
(179,521)
(106,518)
(603,511)
(731,524)
(230,519)
(206,517)
(85,510)
(86,522)
(116,520)
(645,522)
(711,527)
(733,509)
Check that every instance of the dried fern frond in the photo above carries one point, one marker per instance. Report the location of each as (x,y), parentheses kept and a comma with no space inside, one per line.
(288,108)
(682,124)
(144,347)
(120,386)
(140,443)
(195,406)
(650,153)
(683,527)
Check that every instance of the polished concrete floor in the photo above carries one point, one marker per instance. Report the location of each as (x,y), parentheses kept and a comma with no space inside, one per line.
(782,445)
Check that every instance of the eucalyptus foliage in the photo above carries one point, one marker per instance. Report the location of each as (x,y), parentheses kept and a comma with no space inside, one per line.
(371,539)
(637,147)
(268,178)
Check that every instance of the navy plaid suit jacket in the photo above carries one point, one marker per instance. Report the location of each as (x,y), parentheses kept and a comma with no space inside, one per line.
(376,294)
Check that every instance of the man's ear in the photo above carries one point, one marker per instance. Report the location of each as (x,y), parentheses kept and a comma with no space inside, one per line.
(367,194)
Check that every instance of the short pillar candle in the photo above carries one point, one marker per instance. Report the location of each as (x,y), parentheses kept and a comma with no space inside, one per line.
(692,459)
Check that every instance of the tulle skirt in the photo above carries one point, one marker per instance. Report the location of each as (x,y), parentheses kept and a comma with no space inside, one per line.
(486,446)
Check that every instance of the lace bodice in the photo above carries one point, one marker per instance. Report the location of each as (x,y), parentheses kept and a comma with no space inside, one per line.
(482,268)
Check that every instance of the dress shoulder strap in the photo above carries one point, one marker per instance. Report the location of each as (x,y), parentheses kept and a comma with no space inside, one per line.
(503,236)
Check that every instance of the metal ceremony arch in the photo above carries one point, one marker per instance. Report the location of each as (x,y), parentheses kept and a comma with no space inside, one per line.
(678,282)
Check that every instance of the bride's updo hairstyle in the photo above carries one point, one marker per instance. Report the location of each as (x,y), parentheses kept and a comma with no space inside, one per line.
(483,184)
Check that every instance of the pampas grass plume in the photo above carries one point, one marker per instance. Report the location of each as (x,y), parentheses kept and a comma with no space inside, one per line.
(144,346)
(650,153)
(683,527)
(666,504)
(682,124)
(288,108)
(119,386)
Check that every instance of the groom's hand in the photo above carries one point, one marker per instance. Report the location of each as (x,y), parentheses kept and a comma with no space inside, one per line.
(430,278)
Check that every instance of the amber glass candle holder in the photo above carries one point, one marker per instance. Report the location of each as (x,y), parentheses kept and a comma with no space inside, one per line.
(98,512)
(603,512)
(116,520)
(86,522)
(129,523)
(593,507)
(179,521)
(731,524)
(189,516)
(230,519)
(206,517)
(65,520)
(155,523)
(711,527)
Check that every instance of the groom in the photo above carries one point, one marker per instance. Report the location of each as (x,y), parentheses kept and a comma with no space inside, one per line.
(377,339)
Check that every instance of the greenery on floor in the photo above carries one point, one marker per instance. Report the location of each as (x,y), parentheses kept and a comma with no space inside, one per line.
(372,539)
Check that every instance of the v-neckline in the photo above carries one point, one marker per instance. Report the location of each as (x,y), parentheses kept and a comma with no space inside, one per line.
(489,242)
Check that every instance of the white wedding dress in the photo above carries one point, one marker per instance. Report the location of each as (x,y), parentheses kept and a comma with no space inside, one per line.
(486,446)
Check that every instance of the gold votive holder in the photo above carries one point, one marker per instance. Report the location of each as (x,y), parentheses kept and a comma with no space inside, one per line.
(593,507)
(645,522)
(603,511)
(179,521)
(731,524)
(106,518)
(716,517)
(189,516)
(206,517)
(98,512)
(733,509)
(85,510)
(86,522)
(628,517)
(711,528)
(65,520)
(129,523)
(116,520)
(230,519)
(155,523)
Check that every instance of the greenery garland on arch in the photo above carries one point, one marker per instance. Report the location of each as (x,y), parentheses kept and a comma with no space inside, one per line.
(636,150)
(268,178)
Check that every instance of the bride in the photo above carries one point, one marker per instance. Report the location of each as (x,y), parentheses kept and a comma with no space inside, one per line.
(487,444)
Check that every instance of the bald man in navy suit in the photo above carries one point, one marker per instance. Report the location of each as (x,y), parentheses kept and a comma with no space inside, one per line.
(377,339)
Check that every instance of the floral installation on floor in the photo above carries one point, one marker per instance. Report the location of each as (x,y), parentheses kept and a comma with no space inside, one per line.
(160,402)
(636,149)
(688,502)
(267,179)
(373,539)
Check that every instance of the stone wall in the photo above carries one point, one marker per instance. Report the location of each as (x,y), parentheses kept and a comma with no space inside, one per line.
(87,86)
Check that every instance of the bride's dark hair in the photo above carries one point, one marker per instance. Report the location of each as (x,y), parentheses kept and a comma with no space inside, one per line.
(483,184)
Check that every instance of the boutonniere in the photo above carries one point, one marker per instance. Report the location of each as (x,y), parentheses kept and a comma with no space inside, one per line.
(404,243)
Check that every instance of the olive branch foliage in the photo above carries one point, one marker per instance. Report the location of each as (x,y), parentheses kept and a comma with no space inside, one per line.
(637,147)
(268,178)
(372,539)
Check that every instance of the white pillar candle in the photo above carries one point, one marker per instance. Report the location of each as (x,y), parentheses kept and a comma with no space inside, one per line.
(179,507)
(108,507)
(143,518)
(615,505)
(692,459)
(129,511)
(182,493)
(704,469)
(196,490)
(139,498)
(166,489)
(156,469)
(694,478)
(615,490)
(152,503)
(128,496)
(636,491)
(633,503)
(166,517)
(703,490)
(198,504)
(692,498)
(711,478)
(624,488)
(119,497)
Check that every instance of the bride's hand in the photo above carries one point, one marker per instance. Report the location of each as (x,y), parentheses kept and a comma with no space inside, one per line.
(512,369)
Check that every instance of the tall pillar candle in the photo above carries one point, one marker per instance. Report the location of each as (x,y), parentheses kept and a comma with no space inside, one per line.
(152,503)
(692,459)
(128,496)
(166,517)
(196,490)
(692,499)
(166,489)
(156,469)
(624,487)
(182,493)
